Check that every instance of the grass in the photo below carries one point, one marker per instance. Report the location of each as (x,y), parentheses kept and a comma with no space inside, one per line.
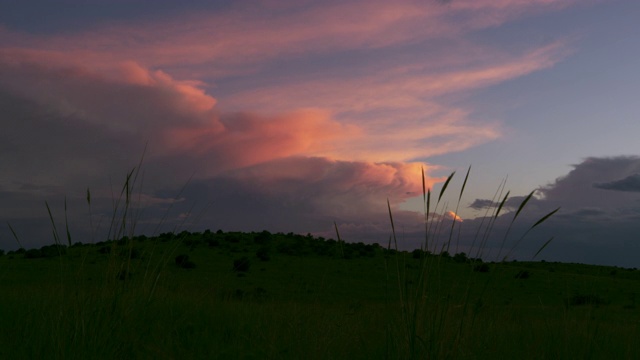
(308,305)
(303,297)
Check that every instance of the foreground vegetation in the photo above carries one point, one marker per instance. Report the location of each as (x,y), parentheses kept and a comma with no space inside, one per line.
(261,295)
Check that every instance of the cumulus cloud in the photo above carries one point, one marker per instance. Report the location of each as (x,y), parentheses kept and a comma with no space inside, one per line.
(252,167)
(594,224)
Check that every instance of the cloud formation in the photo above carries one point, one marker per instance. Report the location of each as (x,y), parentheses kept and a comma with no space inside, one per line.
(597,222)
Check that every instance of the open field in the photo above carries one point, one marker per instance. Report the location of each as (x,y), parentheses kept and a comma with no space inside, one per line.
(262,295)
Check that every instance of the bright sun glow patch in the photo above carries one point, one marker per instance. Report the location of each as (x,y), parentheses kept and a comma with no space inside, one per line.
(452,215)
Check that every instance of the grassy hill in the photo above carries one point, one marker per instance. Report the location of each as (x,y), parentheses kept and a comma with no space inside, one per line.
(285,296)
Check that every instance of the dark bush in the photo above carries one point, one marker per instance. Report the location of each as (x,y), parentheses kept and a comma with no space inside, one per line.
(32,254)
(135,253)
(53,250)
(460,257)
(483,268)
(191,242)
(181,258)
(586,299)
(233,237)
(164,237)
(188,265)
(263,253)
(262,238)
(242,264)
(184,262)
(523,274)
(104,250)
(1,252)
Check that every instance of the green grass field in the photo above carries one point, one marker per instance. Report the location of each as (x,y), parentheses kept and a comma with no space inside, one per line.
(305,298)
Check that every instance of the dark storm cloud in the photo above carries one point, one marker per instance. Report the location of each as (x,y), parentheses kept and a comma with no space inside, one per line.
(480,204)
(631,183)
(484,204)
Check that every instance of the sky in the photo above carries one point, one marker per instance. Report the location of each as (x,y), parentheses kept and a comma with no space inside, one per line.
(303,116)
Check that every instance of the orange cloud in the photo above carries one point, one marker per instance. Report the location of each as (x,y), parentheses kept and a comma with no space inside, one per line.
(248,139)
(453,216)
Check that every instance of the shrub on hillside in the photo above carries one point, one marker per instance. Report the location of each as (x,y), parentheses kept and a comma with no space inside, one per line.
(241,264)
(132,253)
(483,268)
(213,242)
(262,238)
(263,253)
(183,261)
(523,274)
(460,257)
(32,254)
(104,249)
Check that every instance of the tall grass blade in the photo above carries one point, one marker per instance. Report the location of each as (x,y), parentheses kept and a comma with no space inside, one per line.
(66,222)
(544,218)
(393,227)
(444,187)
(464,183)
(56,238)
(522,205)
(542,248)
(340,239)
(504,200)
(15,236)
(455,214)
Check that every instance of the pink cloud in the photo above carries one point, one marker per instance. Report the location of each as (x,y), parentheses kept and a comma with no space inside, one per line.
(395,108)
(248,139)
(176,117)
(243,36)
(389,116)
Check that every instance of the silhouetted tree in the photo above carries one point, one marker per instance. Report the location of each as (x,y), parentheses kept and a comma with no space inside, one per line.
(460,257)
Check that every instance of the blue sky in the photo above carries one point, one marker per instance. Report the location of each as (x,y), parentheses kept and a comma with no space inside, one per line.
(293,115)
